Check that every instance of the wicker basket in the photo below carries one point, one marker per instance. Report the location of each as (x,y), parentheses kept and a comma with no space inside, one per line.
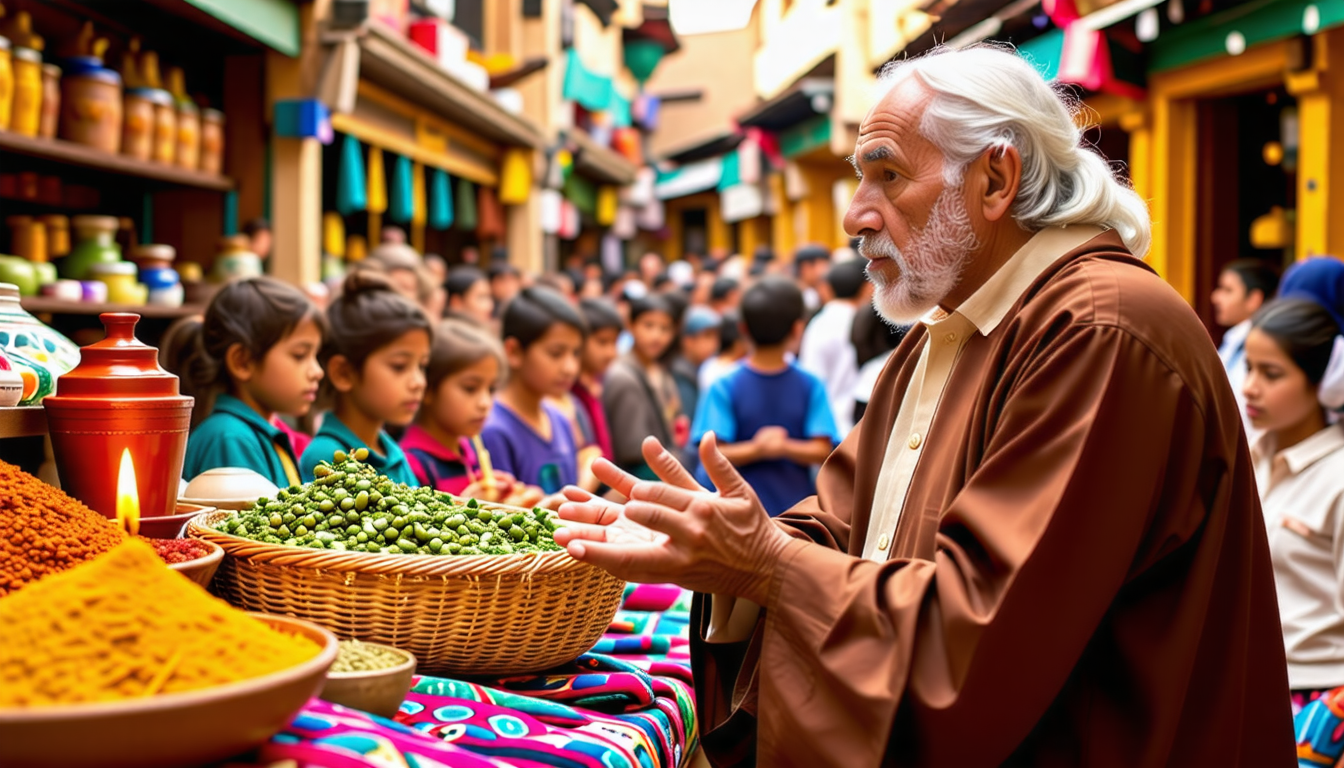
(473,615)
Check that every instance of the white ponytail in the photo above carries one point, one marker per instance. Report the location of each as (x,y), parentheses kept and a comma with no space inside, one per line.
(987,96)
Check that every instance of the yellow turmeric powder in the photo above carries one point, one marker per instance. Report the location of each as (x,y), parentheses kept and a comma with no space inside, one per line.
(125,626)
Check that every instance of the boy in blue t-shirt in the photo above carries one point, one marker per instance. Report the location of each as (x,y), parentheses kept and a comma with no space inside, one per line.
(772,418)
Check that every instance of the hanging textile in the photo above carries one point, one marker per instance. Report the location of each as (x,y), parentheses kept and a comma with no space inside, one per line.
(466,205)
(625,226)
(419,196)
(569,220)
(377,182)
(515,176)
(352,189)
(333,234)
(440,200)
(401,201)
(490,214)
(607,200)
(552,211)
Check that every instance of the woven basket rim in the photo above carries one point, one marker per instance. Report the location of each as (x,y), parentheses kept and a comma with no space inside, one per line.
(525,563)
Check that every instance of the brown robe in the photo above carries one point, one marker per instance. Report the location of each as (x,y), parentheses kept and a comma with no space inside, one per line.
(1079,577)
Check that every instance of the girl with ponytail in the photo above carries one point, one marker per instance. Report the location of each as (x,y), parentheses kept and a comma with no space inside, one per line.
(376,353)
(252,358)
(1294,386)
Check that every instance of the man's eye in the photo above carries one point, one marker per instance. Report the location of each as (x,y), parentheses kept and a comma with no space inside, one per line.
(891,175)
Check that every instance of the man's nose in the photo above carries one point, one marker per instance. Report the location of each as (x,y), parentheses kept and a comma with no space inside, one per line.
(862,217)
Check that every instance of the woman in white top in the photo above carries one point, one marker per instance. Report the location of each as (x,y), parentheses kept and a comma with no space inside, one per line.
(1295,374)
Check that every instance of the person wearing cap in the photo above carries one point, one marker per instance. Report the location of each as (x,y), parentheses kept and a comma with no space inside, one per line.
(699,342)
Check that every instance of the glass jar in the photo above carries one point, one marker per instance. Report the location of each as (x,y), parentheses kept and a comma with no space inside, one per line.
(95,243)
(26,117)
(120,279)
(91,109)
(51,101)
(58,234)
(6,83)
(212,141)
(27,238)
(188,154)
(138,128)
(165,131)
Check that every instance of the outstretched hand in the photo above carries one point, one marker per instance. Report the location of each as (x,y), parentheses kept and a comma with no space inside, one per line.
(676,531)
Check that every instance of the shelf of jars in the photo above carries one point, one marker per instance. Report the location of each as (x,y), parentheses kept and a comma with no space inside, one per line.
(45,305)
(70,153)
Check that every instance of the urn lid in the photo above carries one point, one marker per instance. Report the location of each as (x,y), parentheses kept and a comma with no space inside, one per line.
(119,367)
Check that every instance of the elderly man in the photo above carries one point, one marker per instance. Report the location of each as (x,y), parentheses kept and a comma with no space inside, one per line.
(1042,544)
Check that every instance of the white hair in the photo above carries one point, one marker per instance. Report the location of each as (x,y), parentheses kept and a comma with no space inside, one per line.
(987,96)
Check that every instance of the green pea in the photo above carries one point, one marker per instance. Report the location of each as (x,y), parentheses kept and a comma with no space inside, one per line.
(391,534)
(471,504)
(352,530)
(363,485)
(362,537)
(436,545)
(288,518)
(463,530)
(362,501)
(276,521)
(339,546)
(352,517)
(380,524)
(339,457)
(453,547)
(456,520)
(321,470)
(517,534)
(361,454)
(407,545)
(309,521)
(339,494)
(282,531)
(471,551)
(372,547)
(347,504)
(302,530)
(485,515)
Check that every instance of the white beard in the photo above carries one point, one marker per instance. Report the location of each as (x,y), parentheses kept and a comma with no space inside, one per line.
(930,267)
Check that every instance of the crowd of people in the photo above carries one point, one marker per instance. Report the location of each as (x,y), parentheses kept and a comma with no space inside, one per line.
(508,387)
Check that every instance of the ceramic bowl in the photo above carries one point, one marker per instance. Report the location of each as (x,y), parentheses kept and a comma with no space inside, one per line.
(172,526)
(202,569)
(379,692)
(228,488)
(175,729)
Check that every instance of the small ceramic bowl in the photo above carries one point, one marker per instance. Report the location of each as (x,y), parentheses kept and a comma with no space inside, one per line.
(172,729)
(202,569)
(171,526)
(228,488)
(379,692)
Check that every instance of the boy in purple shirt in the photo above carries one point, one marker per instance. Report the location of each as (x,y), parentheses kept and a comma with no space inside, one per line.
(524,435)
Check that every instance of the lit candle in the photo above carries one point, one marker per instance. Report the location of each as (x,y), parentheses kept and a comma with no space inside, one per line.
(128,497)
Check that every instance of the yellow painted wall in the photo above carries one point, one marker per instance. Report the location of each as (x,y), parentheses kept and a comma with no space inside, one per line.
(719,66)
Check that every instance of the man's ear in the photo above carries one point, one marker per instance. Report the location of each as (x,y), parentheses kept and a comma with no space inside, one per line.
(1255,299)
(1000,167)
(239,363)
(341,373)
(513,353)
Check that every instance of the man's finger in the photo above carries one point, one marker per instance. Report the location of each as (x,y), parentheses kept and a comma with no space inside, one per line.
(640,563)
(662,493)
(596,512)
(614,476)
(666,466)
(720,470)
(580,531)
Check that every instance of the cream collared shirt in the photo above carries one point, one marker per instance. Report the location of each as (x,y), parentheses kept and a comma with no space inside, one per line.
(1302,495)
(733,619)
(947,333)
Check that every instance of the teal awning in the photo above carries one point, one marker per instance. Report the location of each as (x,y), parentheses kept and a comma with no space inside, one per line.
(274,23)
(689,179)
(1265,21)
(596,93)
(1045,53)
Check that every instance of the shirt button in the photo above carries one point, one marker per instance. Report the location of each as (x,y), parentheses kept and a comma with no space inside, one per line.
(950,338)
(915,441)
(883,542)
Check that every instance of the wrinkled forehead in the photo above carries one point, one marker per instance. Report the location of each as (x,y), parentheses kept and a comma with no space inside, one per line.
(896,115)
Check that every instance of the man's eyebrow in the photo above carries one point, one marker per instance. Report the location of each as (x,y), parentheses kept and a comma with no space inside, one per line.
(878,154)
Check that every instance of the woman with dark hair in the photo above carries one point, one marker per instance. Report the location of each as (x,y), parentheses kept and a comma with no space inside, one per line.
(1294,382)
(469,296)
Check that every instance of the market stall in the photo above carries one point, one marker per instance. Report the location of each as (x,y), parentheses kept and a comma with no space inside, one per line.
(346,620)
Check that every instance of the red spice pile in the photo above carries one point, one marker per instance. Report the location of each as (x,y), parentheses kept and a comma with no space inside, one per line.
(44,531)
(173,551)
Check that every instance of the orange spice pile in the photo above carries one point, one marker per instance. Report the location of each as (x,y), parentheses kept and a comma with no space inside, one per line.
(45,531)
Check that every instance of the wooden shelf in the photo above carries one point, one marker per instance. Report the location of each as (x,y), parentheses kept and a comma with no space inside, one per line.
(26,421)
(77,154)
(48,306)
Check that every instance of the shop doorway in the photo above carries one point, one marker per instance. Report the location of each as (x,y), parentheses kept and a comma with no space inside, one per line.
(1246,186)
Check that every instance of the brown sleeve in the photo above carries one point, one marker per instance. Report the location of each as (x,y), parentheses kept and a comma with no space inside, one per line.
(1043,534)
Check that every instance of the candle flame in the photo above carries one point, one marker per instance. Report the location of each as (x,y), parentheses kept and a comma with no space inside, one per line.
(128,496)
